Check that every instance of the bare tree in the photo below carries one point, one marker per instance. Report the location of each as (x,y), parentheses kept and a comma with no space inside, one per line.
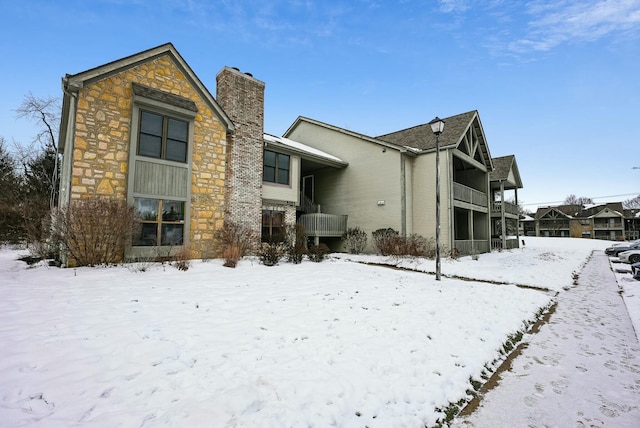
(633,203)
(40,159)
(574,200)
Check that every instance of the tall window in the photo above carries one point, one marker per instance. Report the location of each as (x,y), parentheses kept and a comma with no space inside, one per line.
(162,222)
(275,168)
(272,225)
(163,137)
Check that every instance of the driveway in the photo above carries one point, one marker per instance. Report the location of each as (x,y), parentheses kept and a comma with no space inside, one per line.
(582,369)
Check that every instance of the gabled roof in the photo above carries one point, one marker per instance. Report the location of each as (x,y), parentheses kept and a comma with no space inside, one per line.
(422,138)
(583,211)
(302,119)
(74,82)
(568,211)
(502,167)
(608,207)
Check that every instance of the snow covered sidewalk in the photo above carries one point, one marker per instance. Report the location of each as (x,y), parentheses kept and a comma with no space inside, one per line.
(581,369)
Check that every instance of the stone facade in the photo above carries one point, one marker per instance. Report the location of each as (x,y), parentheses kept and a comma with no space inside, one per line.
(101,144)
(242,98)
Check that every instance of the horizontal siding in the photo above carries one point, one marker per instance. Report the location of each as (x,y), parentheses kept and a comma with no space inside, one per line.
(159,179)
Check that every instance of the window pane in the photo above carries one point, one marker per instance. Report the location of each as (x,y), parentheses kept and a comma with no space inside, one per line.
(283,176)
(176,151)
(148,235)
(269,158)
(172,234)
(177,130)
(172,210)
(277,218)
(147,208)
(150,123)
(150,146)
(283,162)
(269,174)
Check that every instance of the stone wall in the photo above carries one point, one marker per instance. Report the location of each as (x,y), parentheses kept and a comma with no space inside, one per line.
(101,145)
(242,97)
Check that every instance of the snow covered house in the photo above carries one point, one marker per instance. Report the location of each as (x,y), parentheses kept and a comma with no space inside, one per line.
(390,180)
(598,221)
(145,129)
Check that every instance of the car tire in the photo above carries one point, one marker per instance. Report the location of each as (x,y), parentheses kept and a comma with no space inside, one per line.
(634,258)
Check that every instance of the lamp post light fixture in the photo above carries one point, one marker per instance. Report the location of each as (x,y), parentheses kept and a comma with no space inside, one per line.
(437,126)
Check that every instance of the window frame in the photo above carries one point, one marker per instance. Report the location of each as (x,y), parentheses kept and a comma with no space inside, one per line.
(165,136)
(174,110)
(160,222)
(277,168)
(271,214)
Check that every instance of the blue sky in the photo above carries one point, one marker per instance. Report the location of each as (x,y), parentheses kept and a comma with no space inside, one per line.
(557,83)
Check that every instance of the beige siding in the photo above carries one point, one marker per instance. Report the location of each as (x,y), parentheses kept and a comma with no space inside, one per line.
(373,175)
(283,193)
(424,197)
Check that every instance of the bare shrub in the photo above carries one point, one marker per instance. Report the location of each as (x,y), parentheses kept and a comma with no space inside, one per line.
(294,237)
(235,242)
(430,251)
(454,254)
(182,259)
(271,252)
(355,240)
(415,245)
(317,253)
(95,231)
(231,256)
(141,264)
(383,241)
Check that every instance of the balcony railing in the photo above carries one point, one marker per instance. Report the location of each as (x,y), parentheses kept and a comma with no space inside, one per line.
(471,247)
(607,226)
(323,225)
(509,208)
(469,195)
(510,243)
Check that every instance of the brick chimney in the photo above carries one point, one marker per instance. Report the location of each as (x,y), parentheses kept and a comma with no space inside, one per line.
(241,96)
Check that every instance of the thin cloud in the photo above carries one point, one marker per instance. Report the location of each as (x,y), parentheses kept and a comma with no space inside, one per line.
(542,25)
(578,21)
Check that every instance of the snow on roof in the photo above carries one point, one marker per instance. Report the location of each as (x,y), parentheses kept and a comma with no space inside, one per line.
(301,147)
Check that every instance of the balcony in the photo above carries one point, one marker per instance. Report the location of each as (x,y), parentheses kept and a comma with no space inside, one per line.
(471,196)
(607,226)
(509,208)
(323,225)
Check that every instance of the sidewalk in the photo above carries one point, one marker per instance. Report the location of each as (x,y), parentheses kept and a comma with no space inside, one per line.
(582,369)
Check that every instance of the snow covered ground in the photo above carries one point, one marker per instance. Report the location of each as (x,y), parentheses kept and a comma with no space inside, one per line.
(337,343)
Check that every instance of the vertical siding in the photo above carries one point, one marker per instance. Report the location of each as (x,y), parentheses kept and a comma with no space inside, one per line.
(159,179)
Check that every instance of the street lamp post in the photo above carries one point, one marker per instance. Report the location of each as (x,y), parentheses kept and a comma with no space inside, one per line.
(437,126)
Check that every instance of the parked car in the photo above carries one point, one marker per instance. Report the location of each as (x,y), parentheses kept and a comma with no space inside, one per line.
(615,250)
(635,269)
(631,256)
(617,244)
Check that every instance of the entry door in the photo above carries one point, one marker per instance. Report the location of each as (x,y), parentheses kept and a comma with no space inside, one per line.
(308,188)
